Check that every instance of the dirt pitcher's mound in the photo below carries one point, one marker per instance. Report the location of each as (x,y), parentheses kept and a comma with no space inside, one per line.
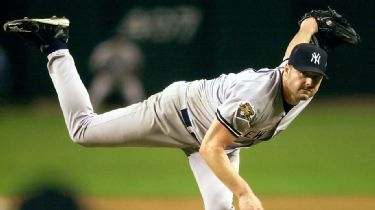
(270,203)
(319,203)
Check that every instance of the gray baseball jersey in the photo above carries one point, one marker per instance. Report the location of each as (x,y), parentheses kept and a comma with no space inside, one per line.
(249,104)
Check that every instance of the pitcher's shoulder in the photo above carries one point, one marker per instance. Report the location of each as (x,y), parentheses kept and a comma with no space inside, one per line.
(263,73)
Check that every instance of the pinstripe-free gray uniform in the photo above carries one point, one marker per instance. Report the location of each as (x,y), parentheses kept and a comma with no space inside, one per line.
(249,104)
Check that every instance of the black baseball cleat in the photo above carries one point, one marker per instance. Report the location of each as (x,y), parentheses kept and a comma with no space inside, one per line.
(42,32)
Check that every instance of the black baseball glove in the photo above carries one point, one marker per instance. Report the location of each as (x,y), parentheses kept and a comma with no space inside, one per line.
(333,29)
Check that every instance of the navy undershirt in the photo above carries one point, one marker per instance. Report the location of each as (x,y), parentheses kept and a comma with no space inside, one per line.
(287,107)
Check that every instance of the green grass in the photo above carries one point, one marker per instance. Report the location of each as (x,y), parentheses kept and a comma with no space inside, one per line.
(329,149)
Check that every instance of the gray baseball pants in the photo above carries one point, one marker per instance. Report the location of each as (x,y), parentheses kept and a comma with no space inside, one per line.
(155,122)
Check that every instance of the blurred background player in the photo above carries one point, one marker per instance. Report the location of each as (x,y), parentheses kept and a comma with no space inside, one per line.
(117,64)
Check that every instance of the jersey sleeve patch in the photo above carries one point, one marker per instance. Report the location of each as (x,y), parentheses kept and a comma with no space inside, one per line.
(237,119)
(243,115)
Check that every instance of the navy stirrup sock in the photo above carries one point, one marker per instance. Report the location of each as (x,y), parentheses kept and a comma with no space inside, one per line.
(56,45)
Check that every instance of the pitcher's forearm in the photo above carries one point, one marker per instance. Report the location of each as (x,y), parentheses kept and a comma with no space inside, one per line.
(307,29)
(219,163)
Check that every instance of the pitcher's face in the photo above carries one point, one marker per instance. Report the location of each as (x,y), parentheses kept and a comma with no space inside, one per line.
(298,85)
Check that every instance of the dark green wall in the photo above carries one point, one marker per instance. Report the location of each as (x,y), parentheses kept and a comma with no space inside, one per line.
(232,36)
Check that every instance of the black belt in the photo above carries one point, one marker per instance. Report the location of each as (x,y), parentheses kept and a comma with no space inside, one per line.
(188,125)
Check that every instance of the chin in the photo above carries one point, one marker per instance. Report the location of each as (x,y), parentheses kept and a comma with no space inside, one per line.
(304,97)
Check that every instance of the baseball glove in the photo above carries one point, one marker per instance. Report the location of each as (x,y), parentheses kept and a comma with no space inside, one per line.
(333,29)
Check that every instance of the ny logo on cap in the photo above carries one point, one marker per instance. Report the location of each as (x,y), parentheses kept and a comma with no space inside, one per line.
(315,58)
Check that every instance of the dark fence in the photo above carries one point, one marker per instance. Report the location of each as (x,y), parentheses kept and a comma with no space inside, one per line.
(187,40)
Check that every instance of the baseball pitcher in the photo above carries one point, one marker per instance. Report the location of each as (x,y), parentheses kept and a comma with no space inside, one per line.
(209,119)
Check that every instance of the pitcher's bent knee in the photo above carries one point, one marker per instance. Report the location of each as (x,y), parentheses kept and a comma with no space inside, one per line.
(81,140)
(78,136)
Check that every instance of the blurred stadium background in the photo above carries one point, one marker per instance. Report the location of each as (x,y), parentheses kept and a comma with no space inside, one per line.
(327,151)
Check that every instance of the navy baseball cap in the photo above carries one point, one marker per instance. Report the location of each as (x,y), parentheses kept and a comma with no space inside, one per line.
(309,58)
